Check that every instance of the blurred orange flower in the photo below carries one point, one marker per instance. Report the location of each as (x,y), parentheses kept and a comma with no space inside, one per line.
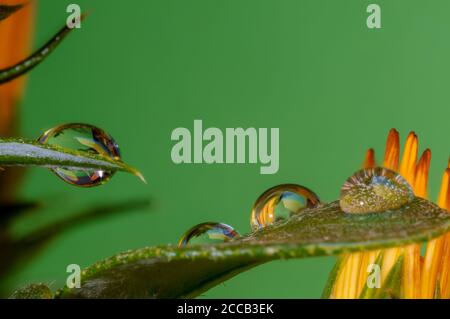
(16,33)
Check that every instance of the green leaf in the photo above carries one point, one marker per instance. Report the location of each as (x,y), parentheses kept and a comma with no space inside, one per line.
(14,252)
(392,285)
(20,152)
(40,237)
(10,211)
(171,272)
(332,277)
(35,59)
(6,11)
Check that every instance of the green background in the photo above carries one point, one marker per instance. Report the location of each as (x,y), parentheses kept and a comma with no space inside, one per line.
(139,69)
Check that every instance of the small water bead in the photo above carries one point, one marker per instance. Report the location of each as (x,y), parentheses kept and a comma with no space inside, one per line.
(208,233)
(375,190)
(85,138)
(280,202)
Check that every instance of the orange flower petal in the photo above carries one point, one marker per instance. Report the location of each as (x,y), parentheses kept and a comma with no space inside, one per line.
(431,267)
(369,160)
(411,272)
(445,272)
(390,257)
(444,202)
(421,174)
(392,152)
(367,259)
(411,266)
(444,195)
(409,159)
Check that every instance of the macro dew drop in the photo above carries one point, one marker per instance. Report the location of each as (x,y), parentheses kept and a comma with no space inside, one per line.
(208,233)
(280,202)
(375,190)
(84,138)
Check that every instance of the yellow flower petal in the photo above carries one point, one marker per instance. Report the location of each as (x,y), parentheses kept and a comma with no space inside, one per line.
(408,169)
(444,202)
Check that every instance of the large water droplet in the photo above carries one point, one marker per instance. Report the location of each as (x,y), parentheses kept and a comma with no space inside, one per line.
(208,233)
(85,138)
(375,190)
(280,202)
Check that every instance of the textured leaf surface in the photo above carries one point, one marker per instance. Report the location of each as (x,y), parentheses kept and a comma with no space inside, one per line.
(33,291)
(170,272)
(19,152)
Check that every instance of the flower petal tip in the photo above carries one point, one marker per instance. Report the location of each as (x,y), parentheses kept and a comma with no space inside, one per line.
(392,152)
(369,160)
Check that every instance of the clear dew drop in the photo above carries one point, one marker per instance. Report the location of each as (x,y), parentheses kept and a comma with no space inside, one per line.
(280,202)
(375,190)
(85,138)
(208,233)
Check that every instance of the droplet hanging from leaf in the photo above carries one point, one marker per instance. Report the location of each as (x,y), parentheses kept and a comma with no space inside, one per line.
(375,190)
(82,138)
(23,152)
(208,233)
(280,202)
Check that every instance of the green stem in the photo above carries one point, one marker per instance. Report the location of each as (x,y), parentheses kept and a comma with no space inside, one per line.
(36,58)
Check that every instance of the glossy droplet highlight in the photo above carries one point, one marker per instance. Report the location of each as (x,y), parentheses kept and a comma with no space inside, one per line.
(208,233)
(375,190)
(280,202)
(84,138)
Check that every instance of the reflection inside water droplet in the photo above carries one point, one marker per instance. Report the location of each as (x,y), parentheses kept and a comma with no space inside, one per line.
(208,233)
(85,138)
(280,202)
(375,190)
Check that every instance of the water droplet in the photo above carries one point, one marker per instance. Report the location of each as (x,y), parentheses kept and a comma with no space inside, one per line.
(375,190)
(280,202)
(86,138)
(208,233)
